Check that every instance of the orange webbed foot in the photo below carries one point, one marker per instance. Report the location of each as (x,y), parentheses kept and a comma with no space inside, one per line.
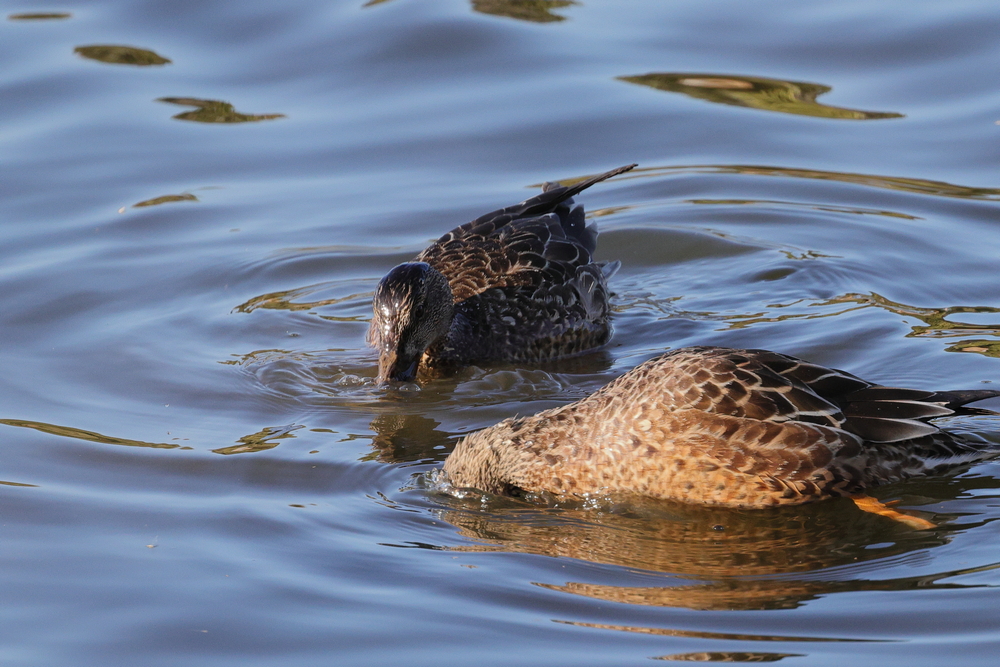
(869,504)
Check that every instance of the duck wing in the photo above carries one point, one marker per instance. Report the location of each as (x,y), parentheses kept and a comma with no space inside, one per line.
(777,388)
(803,429)
(542,239)
(537,322)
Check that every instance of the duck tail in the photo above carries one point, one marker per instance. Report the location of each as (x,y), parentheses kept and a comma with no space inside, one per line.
(554,194)
(574,190)
(956,400)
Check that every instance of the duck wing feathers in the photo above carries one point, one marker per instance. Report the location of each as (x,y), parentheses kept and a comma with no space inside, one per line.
(533,322)
(543,239)
(777,388)
(820,430)
(805,431)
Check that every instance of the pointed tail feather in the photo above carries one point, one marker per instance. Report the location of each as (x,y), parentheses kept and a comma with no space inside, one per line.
(553,195)
(956,399)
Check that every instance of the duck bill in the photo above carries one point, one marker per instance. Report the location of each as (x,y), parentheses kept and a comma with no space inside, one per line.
(395,368)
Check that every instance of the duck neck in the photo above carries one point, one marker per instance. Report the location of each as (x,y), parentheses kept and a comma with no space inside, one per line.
(483,460)
(459,344)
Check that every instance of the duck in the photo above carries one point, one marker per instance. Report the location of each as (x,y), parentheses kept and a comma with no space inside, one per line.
(518,284)
(742,428)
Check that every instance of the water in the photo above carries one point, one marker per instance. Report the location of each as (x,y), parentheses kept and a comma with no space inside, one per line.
(196,464)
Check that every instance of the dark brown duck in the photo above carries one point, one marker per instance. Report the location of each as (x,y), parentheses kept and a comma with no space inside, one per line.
(516,285)
(738,428)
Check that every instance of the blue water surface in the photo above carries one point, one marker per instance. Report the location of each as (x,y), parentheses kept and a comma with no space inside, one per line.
(198,199)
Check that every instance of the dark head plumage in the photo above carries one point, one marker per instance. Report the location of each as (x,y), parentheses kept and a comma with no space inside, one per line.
(413,307)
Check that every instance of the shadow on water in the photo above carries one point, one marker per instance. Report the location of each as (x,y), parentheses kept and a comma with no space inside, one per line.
(753,92)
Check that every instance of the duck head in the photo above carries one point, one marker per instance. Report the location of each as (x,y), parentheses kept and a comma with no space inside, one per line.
(413,307)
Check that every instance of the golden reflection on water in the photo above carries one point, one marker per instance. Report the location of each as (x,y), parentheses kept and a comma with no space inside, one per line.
(284,300)
(536,11)
(91,436)
(121,55)
(730,656)
(743,595)
(794,97)
(693,541)
(722,636)
(165,199)
(214,111)
(717,559)
(39,16)
(849,210)
(934,321)
(915,185)
(267,438)
(35,486)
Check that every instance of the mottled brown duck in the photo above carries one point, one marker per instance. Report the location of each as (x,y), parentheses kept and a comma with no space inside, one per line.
(729,427)
(515,285)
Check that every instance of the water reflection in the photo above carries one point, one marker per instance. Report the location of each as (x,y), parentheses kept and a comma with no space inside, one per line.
(793,97)
(915,185)
(267,438)
(536,11)
(165,199)
(730,656)
(831,208)
(121,55)
(935,322)
(91,436)
(214,111)
(722,636)
(403,438)
(285,300)
(989,348)
(716,558)
(735,595)
(39,16)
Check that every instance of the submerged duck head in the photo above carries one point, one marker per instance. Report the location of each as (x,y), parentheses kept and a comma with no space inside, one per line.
(413,307)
